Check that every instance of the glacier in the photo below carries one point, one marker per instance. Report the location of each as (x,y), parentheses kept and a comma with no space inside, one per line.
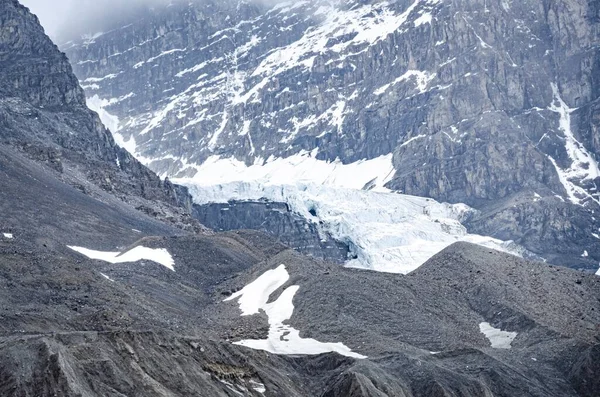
(386,231)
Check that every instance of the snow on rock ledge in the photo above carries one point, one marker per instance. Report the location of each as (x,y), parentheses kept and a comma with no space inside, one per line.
(282,339)
(386,231)
(158,255)
(498,339)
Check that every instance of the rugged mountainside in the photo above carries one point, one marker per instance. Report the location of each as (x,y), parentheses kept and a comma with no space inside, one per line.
(73,326)
(43,114)
(100,298)
(492,103)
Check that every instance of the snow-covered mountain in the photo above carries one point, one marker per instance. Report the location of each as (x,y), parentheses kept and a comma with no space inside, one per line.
(109,288)
(490,103)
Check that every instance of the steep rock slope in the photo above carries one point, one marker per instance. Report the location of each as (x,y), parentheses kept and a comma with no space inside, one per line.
(43,114)
(490,103)
(91,328)
(276,219)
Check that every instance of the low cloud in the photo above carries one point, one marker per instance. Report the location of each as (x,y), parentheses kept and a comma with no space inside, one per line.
(68,18)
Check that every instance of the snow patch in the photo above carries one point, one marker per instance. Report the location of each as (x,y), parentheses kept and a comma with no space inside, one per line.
(98,104)
(424,19)
(8,236)
(282,339)
(258,387)
(498,339)
(158,255)
(255,295)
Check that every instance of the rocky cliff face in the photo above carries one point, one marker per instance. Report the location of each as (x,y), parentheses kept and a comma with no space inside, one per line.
(278,220)
(43,113)
(492,103)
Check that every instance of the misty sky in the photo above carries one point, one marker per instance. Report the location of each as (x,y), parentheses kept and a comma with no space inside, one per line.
(66,18)
(61,17)
(52,13)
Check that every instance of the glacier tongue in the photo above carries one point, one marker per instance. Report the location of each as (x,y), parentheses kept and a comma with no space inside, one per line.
(386,231)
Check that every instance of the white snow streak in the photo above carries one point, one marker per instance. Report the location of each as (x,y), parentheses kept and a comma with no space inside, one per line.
(282,339)
(258,387)
(498,339)
(158,255)
(421,78)
(8,236)
(583,164)
(106,277)
(411,140)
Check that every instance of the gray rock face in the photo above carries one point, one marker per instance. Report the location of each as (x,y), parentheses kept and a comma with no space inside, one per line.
(276,219)
(485,102)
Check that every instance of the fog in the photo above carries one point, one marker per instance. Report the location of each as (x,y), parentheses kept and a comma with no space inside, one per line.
(64,18)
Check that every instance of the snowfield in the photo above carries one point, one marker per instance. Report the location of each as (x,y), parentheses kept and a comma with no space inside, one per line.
(386,231)
(282,339)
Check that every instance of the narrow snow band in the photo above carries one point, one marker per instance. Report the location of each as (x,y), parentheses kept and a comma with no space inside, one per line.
(158,255)
(498,339)
(282,339)
(106,277)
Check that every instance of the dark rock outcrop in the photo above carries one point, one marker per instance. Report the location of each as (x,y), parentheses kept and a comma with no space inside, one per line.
(275,219)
